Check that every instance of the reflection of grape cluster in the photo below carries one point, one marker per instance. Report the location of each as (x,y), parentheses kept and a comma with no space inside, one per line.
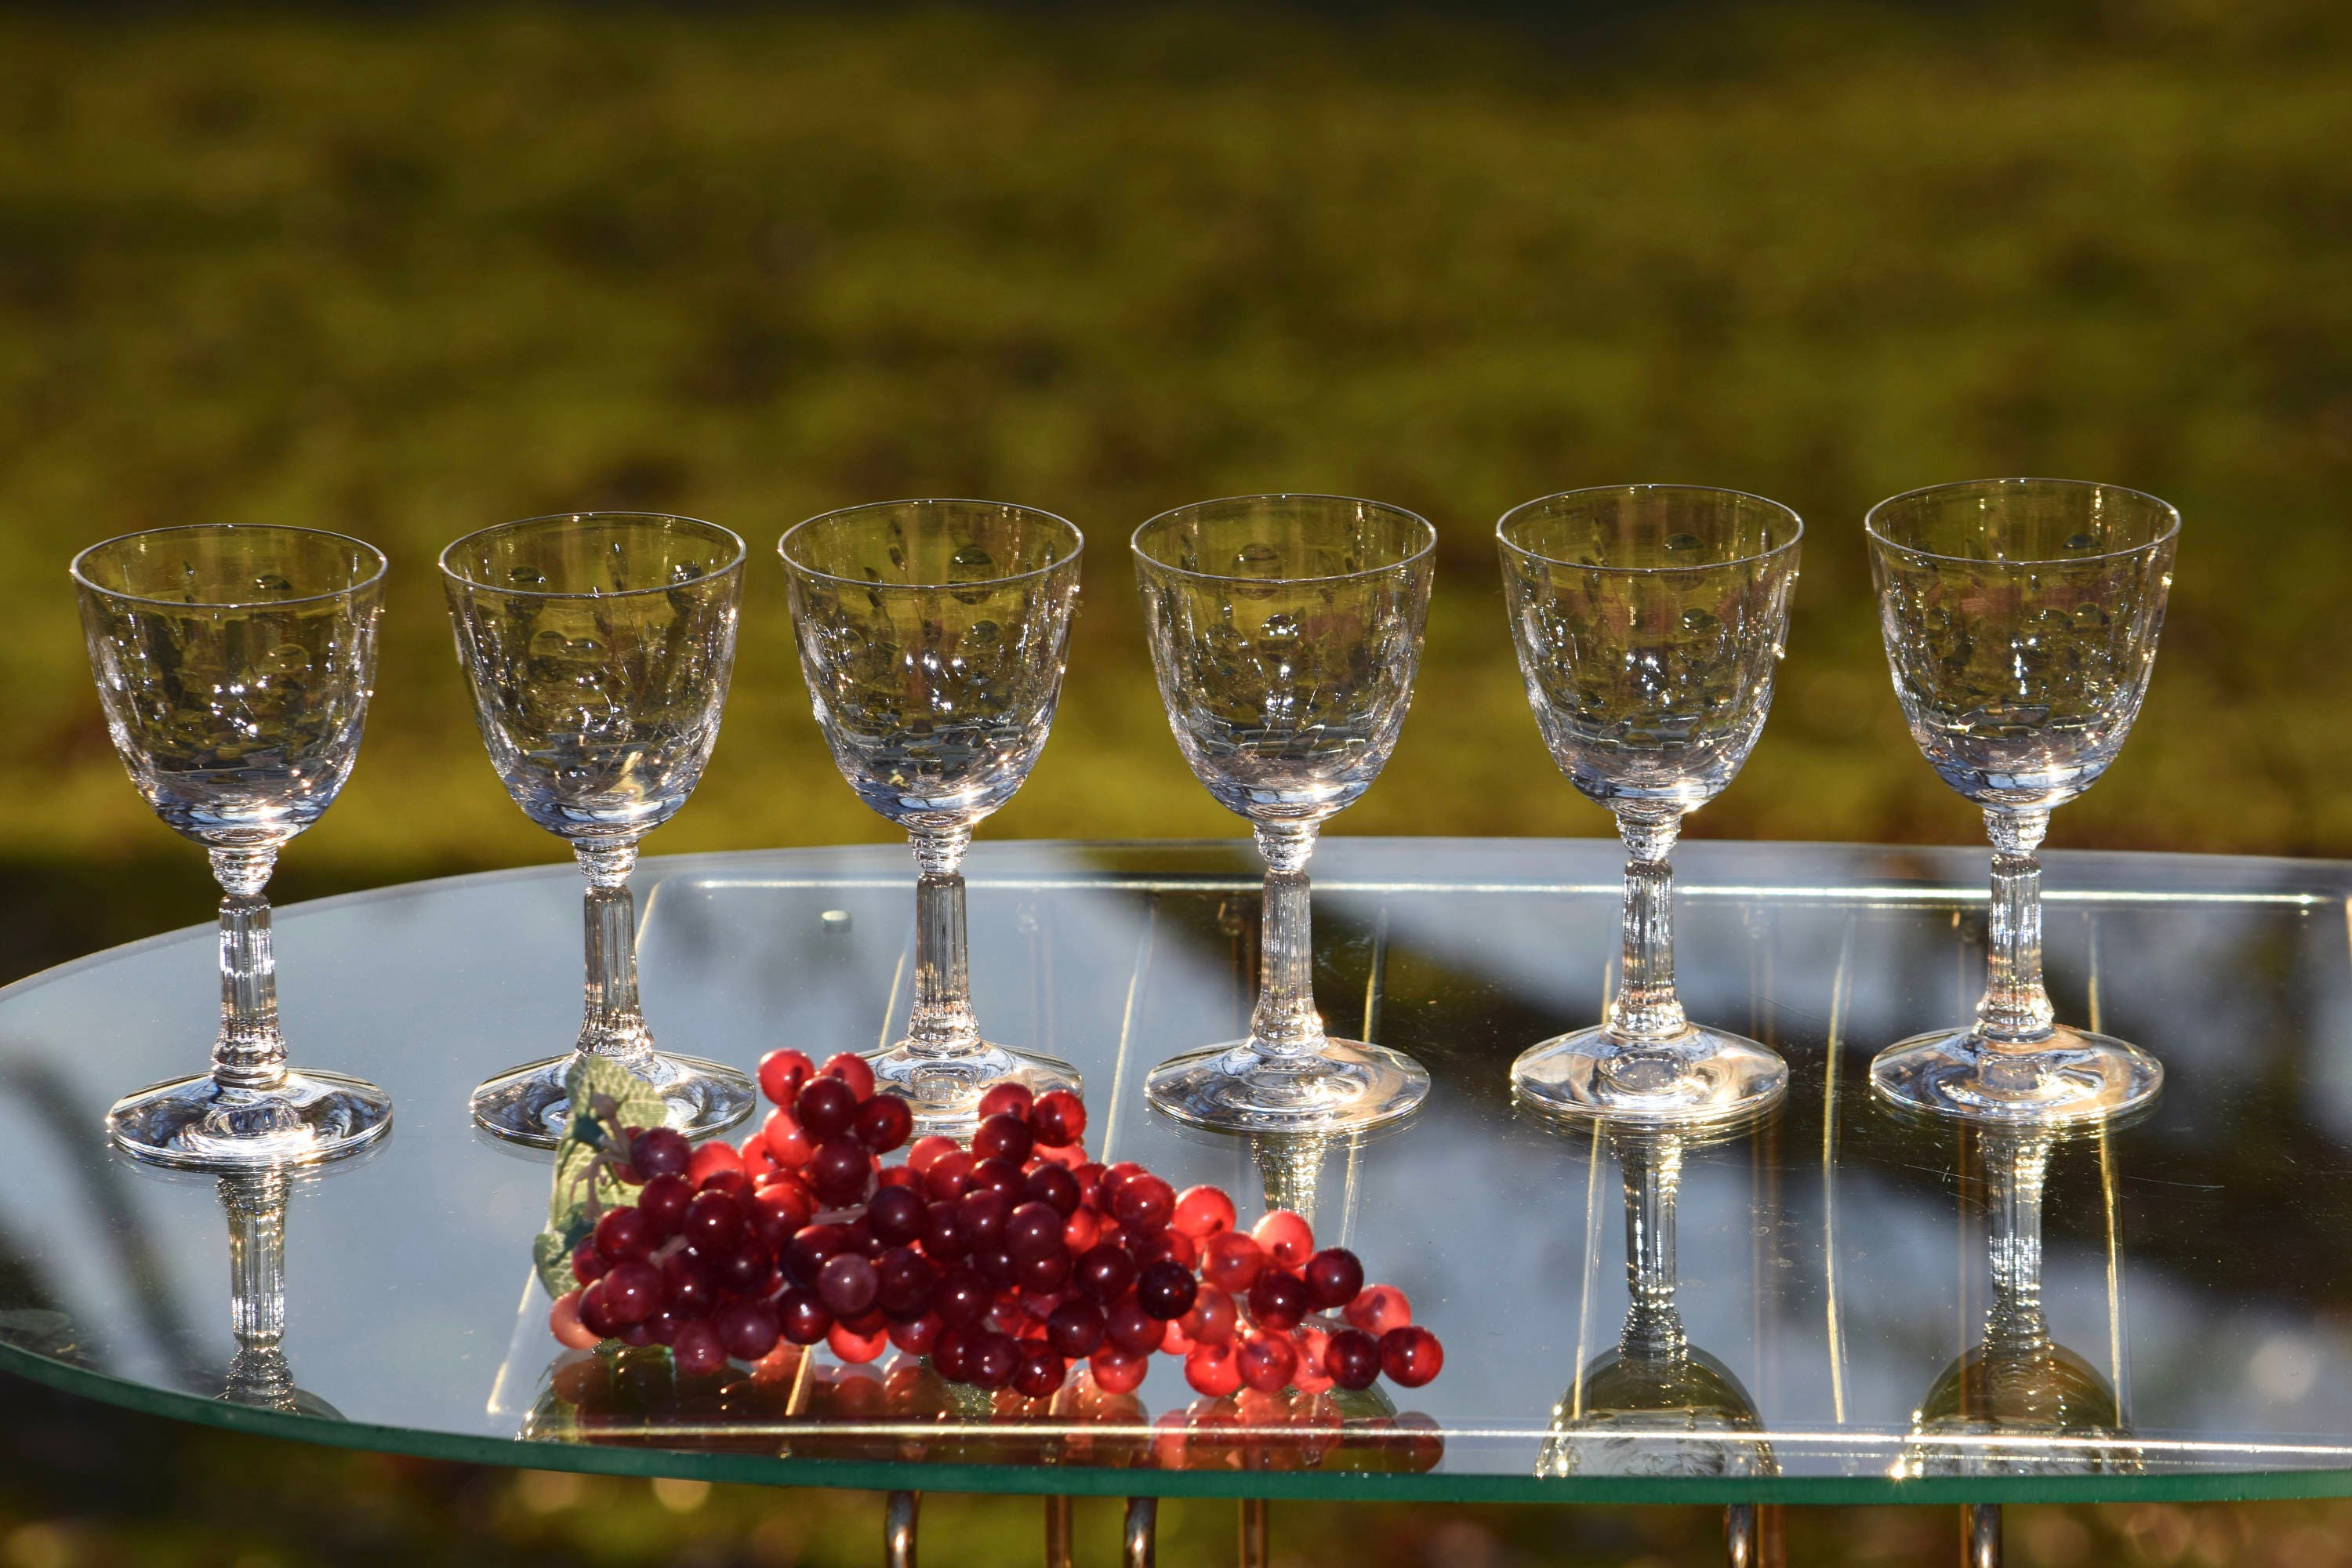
(1003,1263)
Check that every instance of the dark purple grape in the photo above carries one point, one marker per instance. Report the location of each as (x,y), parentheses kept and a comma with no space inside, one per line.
(1058,1118)
(802,1315)
(664,1203)
(1003,1136)
(1040,1374)
(806,1254)
(951,1353)
(746,1328)
(962,1297)
(1352,1359)
(1001,1177)
(660,1151)
(943,1233)
(588,1264)
(661,1327)
(1334,1278)
(904,1283)
(1074,1329)
(847,1283)
(746,1269)
(686,1285)
(827,1107)
(1043,1274)
(984,1214)
(1145,1203)
(1131,1329)
(841,1170)
(713,1223)
(1103,1273)
(1033,1229)
(883,1123)
(1166,1290)
(1053,1184)
(896,1214)
(633,1292)
(996,1266)
(994,1359)
(697,1351)
(622,1235)
(1277,1300)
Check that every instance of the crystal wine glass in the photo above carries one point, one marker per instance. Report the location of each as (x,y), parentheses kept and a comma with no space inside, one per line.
(2021,618)
(235,665)
(598,646)
(932,636)
(1649,620)
(1285,630)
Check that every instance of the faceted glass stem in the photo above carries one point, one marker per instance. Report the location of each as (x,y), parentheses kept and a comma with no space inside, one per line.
(258,1373)
(1285,1025)
(1654,1325)
(250,1052)
(2015,1167)
(1645,1007)
(612,1024)
(941,1023)
(2016,1011)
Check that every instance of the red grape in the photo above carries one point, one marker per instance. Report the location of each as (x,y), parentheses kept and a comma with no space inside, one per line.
(747,1329)
(994,1359)
(789,1144)
(661,1151)
(1039,1374)
(961,1296)
(696,1351)
(950,1176)
(1213,1370)
(1277,1300)
(1266,1362)
(853,1347)
(686,1285)
(1202,1213)
(1006,1099)
(904,1282)
(952,1353)
(1144,1203)
(852,1069)
(1166,1290)
(1232,1261)
(1117,1371)
(1052,1184)
(896,1214)
(1001,1137)
(883,1123)
(1378,1309)
(1058,1118)
(563,1322)
(1074,1329)
(1213,1317)
(982,1217)
(663,1202)
(827,1107)
(588,1264)
(916,1335)
(1001,1176)
(710,1160)
(802,1316)
(713,1223)
(622,1235)
(925,1152)
(847,1283)
(782,1074)
(1103,1273)
(943,1233)
(1284,1237)
(841,1170)
(748,1269)
(783,1208)
(1033,1229)
(1410,1355)
(1126,1325)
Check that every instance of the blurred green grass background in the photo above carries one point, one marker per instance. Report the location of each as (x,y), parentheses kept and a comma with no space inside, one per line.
(407,274)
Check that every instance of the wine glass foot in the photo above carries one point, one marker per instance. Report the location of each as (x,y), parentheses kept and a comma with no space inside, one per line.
(198,1124)
(1234,1087)
(529,1104)
(2073,1075)
(1697,1076)
(945,1091)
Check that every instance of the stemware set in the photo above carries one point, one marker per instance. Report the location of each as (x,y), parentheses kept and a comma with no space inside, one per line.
(2019,617)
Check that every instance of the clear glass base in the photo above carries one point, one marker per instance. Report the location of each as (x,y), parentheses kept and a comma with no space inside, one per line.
(1234,1087)
(2074,1076)
(530,1105)
(944,1091)
(1697,1076)
(195,1123)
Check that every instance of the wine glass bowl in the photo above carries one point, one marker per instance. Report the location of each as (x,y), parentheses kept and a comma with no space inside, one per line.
(598,647)
(1286,631)
(1649,621)
(2020,619)
(235,665)
(933,637)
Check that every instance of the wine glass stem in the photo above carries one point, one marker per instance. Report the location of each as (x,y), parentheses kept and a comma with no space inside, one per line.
(1645,1007)
(1654,1325)
(250,1052)
(2015,1168)
(256,1256)
(1285,1024)
(612,1024)
(941,1022)
(2016,1010)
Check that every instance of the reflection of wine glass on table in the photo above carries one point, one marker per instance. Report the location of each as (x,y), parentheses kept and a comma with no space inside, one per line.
(259,1372)
(2017,1402)
(1655,1405)
(598,647)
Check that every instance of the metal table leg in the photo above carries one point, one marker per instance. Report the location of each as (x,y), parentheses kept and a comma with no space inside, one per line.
(1980,1534)
(1253,1553)
(1142,1533)
(1739,1536)
(1057,1533)
(898,1530)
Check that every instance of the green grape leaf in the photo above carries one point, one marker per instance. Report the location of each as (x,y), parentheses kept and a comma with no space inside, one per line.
(601,1084)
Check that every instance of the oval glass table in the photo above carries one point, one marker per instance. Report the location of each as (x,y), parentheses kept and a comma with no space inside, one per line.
(1837,1305)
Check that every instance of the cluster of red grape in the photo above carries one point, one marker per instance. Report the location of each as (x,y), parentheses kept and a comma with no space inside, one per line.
(1002,1263)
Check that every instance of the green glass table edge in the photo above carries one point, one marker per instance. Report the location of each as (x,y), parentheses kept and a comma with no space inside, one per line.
(1019,1479)
(1100,1481)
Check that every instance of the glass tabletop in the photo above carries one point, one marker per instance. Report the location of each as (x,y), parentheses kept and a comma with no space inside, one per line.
(1836,1304)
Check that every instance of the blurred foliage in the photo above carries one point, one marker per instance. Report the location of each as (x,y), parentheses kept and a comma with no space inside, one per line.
(406,277)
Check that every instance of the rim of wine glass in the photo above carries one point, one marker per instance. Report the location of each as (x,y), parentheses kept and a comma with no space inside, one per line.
(1787,510)
(1427,545)
(383,564)
(1077,544)
(741,552)
(2171,513)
